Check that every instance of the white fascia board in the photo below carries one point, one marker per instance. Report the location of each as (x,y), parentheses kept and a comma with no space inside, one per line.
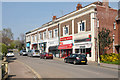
(82,9)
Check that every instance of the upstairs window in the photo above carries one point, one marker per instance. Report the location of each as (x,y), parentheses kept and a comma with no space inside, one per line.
(36,37)
(32,38)
(40,35)
(81,26)
(55,32)
(65,30)
(44,35)
(50,34)
(114,25)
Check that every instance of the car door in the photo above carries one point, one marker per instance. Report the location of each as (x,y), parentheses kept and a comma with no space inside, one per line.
(70,58)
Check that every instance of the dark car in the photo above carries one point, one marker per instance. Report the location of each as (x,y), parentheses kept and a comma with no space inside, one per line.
(76,58)
(46,55)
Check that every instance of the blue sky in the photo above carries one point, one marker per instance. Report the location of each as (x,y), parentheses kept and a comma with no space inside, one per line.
(22,17)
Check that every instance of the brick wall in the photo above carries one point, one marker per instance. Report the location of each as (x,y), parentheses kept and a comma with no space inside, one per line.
(106,18)
(63,25)
(52,28)
(85,17)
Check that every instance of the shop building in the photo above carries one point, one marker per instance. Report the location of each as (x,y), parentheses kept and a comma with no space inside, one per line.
(76,32)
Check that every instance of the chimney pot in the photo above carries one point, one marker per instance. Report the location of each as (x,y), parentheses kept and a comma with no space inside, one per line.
(54,18)
(79,6)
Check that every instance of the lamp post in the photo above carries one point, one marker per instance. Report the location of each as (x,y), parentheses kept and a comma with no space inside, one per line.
(97,25)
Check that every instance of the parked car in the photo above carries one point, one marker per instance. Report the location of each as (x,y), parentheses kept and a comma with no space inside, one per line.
(10,54)
(23,52)
(33,53)
(76,58)
(46,55)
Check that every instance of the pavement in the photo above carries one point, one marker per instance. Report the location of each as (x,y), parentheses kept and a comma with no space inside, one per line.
(17,69)
(112,66)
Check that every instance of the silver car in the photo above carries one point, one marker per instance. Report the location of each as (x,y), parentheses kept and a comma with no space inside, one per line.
(33,53)
(23,52)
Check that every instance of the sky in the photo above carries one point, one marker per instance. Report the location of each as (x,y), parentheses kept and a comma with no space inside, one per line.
(22,17)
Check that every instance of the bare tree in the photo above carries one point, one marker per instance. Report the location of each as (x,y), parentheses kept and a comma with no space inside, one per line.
(7,36)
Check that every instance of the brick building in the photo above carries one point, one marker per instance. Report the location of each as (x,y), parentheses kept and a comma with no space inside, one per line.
(76,32)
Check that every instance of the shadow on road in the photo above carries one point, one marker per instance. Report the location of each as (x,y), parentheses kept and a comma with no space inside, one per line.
(11,59)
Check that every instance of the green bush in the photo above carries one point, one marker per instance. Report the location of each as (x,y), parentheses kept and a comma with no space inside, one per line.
(110,57)
(3,48)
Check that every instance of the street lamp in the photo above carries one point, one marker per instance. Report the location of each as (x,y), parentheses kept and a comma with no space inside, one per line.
(98,61)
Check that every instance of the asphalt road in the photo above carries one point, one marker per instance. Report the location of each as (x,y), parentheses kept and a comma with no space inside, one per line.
(59,69)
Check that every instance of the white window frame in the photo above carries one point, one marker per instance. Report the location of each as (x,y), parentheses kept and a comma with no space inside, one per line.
(64,30)
(114,25)
(40,36)
(98,23)
(35,37)
(81,27)
(50,34)
(32,37)
(44,37)
(54,32)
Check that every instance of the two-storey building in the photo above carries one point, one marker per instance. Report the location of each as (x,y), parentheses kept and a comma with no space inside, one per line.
(75,32)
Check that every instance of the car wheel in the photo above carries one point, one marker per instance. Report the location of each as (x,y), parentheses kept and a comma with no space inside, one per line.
(74,62)
(45,58)
(65,60)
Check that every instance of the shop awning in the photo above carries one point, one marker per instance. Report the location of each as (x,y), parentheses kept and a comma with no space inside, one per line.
(53,47)
(66,46)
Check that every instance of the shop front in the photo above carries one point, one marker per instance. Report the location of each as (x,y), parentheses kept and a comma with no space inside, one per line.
(34,46)
(83,46)
(53,47)
(27,46)
(42,47)
(65,46)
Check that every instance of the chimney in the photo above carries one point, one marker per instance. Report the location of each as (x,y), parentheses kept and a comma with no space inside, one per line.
(54,18)
(79,6)
(106,3)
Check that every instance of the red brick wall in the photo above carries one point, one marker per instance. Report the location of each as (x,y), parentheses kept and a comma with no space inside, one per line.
(85,17)
(63,25)
(106,18)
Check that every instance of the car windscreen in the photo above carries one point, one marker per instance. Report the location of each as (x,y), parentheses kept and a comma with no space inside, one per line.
(24,50)
(37,51)
(10,51)
(81,55)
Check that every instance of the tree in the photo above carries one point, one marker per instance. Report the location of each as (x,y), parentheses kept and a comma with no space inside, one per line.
(3,48)
(6,32)
(104,39)
(7,36)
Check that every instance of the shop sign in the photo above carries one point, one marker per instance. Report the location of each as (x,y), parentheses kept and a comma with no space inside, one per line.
(66,42)
(66,46)
(66,38)
(28,45)
(82,46)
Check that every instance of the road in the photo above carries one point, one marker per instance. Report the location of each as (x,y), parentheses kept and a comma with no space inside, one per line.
(59,69)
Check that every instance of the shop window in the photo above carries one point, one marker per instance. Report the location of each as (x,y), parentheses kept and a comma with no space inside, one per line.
(81,26)
(65,30)
(76,50)
(55,32)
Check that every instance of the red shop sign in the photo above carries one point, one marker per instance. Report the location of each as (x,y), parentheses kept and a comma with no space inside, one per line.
(66,38)
(66,46)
